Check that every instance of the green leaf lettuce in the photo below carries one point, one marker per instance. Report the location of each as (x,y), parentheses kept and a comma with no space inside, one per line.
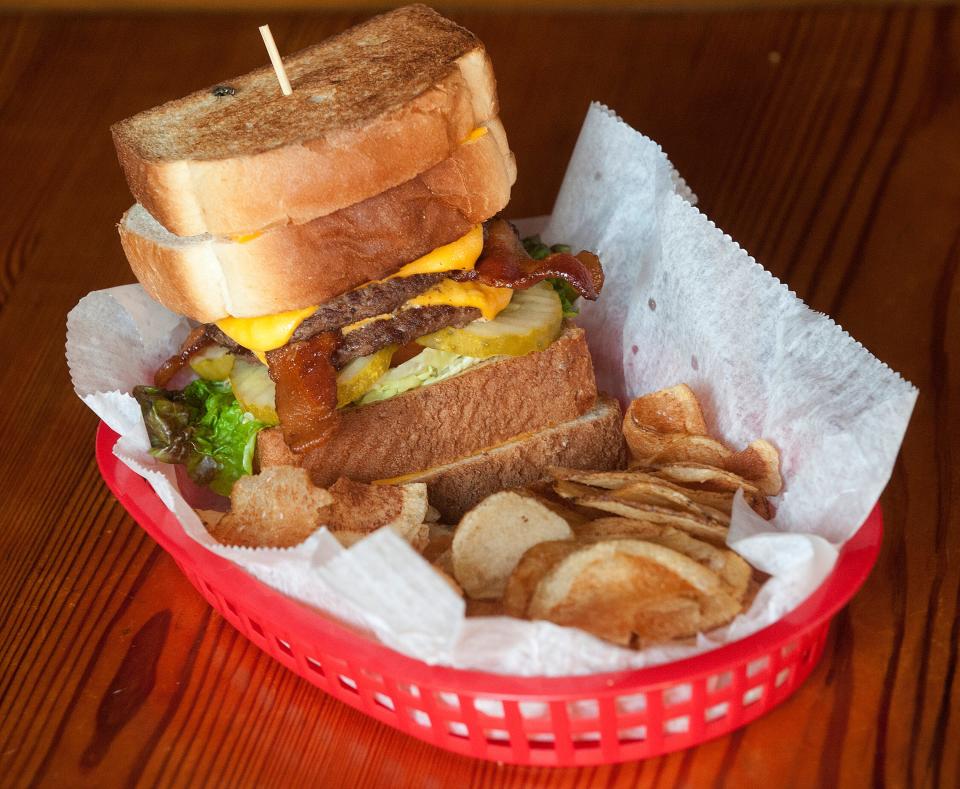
(203,428)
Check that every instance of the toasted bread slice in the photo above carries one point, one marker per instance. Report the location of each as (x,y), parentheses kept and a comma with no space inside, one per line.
(291,266)
(484,406)
(371,108)
(592,440)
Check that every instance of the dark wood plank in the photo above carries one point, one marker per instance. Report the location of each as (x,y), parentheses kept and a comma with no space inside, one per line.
(825,141)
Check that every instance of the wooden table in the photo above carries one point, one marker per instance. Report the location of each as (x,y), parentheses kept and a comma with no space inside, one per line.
(827,142)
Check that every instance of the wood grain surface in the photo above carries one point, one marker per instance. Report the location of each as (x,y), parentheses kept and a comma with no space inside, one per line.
(826,141)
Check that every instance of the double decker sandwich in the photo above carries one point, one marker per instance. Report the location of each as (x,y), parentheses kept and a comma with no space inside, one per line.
(359,307)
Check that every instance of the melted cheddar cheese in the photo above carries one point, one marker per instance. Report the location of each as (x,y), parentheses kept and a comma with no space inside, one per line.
(267,332)
(490,301)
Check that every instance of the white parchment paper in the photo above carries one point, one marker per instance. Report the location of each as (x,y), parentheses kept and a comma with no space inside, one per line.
(682,303)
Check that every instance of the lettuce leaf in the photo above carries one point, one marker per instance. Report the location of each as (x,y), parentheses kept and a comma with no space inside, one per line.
(567,293)
(568,296)
(427,367)
(202,427)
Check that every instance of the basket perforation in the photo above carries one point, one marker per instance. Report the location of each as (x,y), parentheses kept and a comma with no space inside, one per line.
(544,721)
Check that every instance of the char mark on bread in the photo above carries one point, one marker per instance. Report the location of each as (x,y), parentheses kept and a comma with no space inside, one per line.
(405,326)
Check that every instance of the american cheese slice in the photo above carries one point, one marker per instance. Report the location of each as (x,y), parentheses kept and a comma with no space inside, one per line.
(490,301)
(267,332)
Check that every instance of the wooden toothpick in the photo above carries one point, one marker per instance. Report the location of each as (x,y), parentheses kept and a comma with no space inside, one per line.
(275,60)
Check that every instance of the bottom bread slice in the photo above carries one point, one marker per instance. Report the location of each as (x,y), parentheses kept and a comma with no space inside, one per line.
(591,441)
(484,406)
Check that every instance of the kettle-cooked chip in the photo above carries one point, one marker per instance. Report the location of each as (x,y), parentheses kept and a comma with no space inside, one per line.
(673,410)
(697,525)
(732,569)
(278,508)
(649,448)
(533,565)
(493,536)
(624,589)
(358,509)
(759,463)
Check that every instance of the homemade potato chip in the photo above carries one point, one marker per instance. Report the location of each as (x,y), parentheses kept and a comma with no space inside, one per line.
(613,480)
(277,508)
(358,509)
(759,463)
(649,448)
(697,525)
(493,536)
(449,579)
(440,538)
(704,476)
(624,590)
(533,565)
(733,570)
(444,562)
(673,410)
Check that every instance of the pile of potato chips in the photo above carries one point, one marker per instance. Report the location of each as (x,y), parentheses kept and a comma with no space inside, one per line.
(634,556)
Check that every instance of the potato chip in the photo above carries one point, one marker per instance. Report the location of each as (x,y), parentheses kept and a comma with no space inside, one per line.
(533,565)
(697,525)
(759,463)
(716,505)
(704,476)
(549,498)
(673,410)
(609,480)
(444,562)
(731,568)
(359,509)
(278,508)
(448,579)
(440,538)
(492,537)
(484,607)
(660,495)
(624,589)
(649,448)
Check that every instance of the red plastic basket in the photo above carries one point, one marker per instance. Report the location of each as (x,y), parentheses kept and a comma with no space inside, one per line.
(596,719)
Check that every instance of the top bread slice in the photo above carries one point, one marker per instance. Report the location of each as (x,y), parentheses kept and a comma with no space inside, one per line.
(371,108)
(292,266)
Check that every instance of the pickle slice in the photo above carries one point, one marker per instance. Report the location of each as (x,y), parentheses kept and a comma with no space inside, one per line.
(254,390)
(529,323)
(213,363)
(359,376)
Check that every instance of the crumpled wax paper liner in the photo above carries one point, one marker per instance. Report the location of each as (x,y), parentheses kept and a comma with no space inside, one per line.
(682,303)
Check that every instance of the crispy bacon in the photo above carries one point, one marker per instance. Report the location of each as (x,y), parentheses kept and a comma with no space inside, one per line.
(504,263)
(306,390)
(196,341)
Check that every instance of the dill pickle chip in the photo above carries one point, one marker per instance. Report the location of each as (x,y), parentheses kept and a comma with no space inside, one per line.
(213,363)
(359,376)
(254,390)
(529,323)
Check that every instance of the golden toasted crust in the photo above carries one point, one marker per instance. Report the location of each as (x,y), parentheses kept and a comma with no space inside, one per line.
(482,407)
(371,108)
(592,441)
(296,266)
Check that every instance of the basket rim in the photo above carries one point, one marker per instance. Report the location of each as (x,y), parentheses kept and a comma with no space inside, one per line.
(854,563)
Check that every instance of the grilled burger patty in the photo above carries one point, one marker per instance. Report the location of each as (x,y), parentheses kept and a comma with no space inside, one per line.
(401,328)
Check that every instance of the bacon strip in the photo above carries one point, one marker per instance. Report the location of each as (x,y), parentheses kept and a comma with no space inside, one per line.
(306,390)
(504,263)
(196,341)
